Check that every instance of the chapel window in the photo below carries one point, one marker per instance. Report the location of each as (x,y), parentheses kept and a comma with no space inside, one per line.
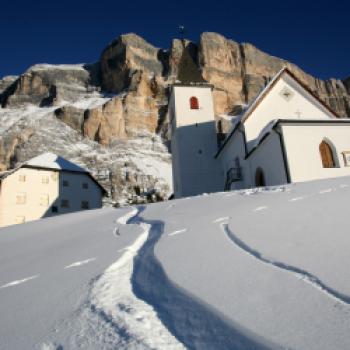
(326,155)
(194,103)
(259,178)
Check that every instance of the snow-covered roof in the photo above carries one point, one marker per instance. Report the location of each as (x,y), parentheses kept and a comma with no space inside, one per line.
(53,161)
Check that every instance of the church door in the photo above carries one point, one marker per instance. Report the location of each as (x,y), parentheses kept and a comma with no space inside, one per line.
(259,178)
(326,155)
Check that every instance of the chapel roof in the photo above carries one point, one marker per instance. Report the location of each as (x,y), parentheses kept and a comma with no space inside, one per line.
(188,71)
(264,92)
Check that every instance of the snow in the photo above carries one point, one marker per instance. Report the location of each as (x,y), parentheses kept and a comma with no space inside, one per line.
(15,283)
(113,296)
(53,161)
(177,232)
(266,130)
(256,269)
(46,66)
(79,263)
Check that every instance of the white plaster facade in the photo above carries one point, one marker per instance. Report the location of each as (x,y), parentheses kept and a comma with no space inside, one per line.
(32,191)
(194,144)
(278,136)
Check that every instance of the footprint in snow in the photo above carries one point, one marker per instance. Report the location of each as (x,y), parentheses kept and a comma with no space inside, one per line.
(80,263)
(177,232)
(325,191)
(260,208)
(15,283)
(296,199)
(221,219)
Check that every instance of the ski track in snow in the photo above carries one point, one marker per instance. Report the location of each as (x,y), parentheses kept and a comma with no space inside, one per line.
(177,232)
(112,299)
(80,263)
(123,220)
(299,273)
(17,282)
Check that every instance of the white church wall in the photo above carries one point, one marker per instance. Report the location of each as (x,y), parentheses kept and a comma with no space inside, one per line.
(184,115)
(302,149)
(269,158)
(300,105)
(194,142)
(235,149)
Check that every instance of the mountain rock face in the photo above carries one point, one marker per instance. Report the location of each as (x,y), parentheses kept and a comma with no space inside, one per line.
(124,96)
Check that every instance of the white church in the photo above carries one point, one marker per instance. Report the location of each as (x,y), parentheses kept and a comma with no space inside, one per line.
(286,135)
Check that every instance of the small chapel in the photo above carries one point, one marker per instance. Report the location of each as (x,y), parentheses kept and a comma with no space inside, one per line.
(286,135)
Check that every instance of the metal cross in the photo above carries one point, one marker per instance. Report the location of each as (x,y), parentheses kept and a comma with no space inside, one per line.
(182,31)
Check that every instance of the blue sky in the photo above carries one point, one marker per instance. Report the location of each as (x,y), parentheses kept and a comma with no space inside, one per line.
(313,35)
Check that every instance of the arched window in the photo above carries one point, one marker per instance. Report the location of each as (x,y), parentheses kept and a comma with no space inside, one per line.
(194,103)
(326,155)
(259,178)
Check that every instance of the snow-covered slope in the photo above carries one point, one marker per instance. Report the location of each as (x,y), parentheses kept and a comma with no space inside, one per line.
(142,162)
(254,269)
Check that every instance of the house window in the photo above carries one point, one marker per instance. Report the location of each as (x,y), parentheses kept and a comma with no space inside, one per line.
(22,178)
(21,198)
(326,155)
(44,200)
(194,103)
(45,180)
(64,203)
(85,205)
(85,185)
(65,183)
(20,219)
(54,209)
(54,177)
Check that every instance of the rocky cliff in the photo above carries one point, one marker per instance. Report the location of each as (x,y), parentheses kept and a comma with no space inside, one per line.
(124,96)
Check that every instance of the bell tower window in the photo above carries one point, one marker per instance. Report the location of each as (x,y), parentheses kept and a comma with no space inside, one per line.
(194,103)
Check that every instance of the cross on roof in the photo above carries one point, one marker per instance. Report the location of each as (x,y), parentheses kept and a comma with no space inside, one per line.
(298,113)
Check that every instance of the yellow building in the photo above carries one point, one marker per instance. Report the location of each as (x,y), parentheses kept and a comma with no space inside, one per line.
(44,186)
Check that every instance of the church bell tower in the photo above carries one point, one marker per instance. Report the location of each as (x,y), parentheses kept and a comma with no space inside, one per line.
(193,133)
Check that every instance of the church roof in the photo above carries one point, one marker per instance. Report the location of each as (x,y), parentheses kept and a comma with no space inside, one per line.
(272,83)
(188,71)
(264,93)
